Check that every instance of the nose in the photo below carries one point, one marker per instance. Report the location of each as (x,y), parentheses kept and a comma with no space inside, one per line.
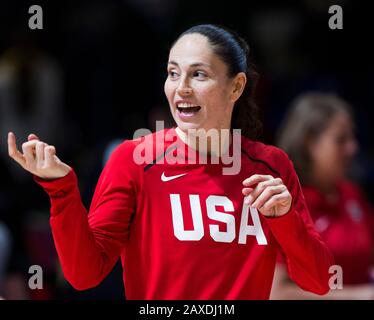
(184,89)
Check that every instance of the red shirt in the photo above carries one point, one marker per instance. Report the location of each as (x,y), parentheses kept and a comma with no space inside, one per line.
(347,226)
(181,230)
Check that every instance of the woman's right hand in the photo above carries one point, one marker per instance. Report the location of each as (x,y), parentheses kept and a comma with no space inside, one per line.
(38,157)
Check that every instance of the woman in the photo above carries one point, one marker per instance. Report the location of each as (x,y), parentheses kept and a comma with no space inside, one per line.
(318,135)
(181,227)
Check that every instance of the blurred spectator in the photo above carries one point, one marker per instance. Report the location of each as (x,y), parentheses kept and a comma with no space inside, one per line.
(318,135)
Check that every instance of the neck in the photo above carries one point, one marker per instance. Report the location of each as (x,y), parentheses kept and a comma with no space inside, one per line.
(324,184)
(214,143)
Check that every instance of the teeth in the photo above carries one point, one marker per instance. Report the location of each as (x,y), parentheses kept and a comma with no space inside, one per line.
(186,105)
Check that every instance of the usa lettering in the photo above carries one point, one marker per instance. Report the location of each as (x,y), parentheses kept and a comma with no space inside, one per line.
(212,202)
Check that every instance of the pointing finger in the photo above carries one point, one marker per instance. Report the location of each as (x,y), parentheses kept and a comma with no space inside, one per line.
(13,151)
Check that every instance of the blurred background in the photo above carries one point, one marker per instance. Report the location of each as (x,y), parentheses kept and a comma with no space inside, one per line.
(95,73)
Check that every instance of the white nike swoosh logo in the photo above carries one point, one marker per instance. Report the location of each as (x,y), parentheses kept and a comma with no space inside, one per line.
(165,178)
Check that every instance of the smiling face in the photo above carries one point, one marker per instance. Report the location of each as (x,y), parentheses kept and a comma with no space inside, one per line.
(200,93)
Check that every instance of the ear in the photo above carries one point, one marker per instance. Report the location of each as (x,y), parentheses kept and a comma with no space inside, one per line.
(238,86)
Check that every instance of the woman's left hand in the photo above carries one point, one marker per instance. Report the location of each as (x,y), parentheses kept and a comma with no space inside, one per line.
(267,194)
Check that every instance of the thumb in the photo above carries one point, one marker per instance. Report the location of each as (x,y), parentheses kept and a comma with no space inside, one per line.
(32,137)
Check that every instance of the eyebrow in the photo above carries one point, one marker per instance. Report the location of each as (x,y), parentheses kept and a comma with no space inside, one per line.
(196,64)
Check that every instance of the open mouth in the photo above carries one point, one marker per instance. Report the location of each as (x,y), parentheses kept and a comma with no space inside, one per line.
(188,110)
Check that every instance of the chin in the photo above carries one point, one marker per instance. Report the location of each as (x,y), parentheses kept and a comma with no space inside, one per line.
(185,126)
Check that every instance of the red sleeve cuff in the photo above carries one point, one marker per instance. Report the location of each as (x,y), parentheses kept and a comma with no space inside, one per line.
(57,188)
(282,223)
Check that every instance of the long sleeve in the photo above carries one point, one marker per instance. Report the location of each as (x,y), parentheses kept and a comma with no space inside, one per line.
(307,257)
(88,246)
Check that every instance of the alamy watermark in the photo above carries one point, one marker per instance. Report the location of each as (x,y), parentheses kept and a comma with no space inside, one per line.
(36,20)
(36,279)
(336,20)
(213,145)
(336,280)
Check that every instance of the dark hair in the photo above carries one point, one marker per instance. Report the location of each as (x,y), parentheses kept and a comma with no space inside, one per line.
(308,117)
(234,52)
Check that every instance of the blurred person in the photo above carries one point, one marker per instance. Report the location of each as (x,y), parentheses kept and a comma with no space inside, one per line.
(136,213)
(318,136)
